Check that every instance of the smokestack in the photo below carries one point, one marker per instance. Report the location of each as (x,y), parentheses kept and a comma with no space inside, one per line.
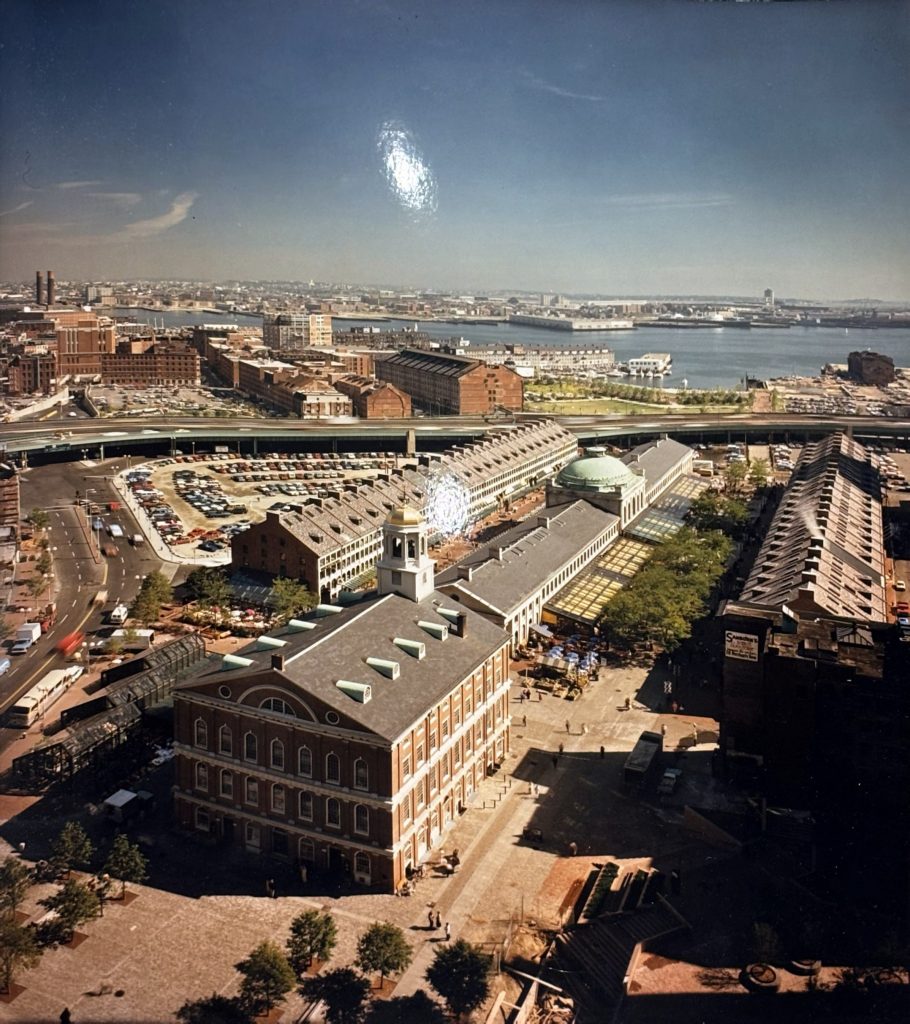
(39,288)
(51,288)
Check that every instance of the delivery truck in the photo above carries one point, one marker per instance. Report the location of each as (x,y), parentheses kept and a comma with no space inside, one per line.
(26,635)
(119,614)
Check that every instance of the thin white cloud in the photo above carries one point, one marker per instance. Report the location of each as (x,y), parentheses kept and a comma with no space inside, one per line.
(669,200)
(16,209)
(77,184)
(178,212)
(558,90)
(121,199)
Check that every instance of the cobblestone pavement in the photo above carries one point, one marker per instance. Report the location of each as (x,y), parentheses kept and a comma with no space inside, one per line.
(162,948)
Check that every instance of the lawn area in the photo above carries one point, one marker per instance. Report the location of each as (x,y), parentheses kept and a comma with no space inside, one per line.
(605,406)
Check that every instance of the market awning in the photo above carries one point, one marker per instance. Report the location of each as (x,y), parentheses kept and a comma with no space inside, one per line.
(541,629)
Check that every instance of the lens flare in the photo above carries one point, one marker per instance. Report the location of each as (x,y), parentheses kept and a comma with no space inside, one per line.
(448,504)
(409,176)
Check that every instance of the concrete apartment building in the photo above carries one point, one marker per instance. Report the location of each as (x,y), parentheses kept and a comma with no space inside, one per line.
(349,741)
(165,363)
(82,339)
(332,543)
(442,384)
(297,330)
(373,399)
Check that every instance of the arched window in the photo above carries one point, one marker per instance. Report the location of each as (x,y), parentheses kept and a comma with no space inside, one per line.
(227,783)
(225,741)
(332,768)
(200,733)
(276,754)
(277,704)
(202,776)
(305,762)
(361,774)
(333,812)
(278,798)
(305,805)
(361,819)
(250,747)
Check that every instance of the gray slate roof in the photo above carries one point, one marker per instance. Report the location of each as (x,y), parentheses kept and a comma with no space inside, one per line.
(530,553)
(340,644)
(654,458)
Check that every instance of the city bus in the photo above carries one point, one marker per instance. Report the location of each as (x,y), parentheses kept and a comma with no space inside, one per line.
(39,698)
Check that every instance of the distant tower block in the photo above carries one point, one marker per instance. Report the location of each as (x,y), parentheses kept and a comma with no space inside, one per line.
(39,288)
(769,298)
(51,288)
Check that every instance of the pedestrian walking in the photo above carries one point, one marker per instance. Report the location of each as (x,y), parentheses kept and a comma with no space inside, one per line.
(66,1017)
(430,919)
(272,891)
(561,748)
(521,697)
(573,848)
(555,760)
(524,720)
(448,931)
(663,730)
(568,727)
(602,751)
(438,921)
(584,729)
(303,872)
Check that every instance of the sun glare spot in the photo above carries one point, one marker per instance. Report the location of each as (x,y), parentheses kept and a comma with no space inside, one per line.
(408,175)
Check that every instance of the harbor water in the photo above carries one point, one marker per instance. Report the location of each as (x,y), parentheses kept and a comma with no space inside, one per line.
(706,357)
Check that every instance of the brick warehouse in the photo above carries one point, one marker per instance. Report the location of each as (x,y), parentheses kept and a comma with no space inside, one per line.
(350,741)
(443,384)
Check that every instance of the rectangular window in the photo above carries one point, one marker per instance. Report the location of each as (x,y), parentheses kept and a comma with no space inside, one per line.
(251,835)
(406,767)
(278,799)
(306,806)
(227,784)
(421,794)
(420,758)
(202,819)
(406,809)
(251,791)
(445,730)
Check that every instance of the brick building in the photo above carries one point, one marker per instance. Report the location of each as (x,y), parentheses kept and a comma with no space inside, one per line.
(166,363)
(32,372)
(81,342)
(349,741)
(374,399)
(443,384)
(870,367)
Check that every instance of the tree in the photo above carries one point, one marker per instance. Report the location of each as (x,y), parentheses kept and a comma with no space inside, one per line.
(209,586)
(267,977)
(126,863)
(734,478)
(214,1009)
(713,511)
(460,974)
(15,879)
(313,936)
(289,598)
(74,903)
(39,518)
(383,948)
(6,627)
(759,472)
(72,848)
(19,950)
(343,991)
(44,563)
(418,1008)
(153,593)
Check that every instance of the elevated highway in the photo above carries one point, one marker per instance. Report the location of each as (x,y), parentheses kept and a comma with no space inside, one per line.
(38,442)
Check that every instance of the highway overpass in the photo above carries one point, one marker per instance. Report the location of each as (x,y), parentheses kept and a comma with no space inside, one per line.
(38,442)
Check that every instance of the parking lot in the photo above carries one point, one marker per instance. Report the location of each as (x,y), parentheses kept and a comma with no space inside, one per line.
(123,400)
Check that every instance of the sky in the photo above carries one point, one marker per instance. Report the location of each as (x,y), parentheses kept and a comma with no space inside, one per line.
(613,147)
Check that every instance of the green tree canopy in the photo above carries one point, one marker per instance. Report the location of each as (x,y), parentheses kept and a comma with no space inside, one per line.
(72,848)
(214,1009)
(383,948)
(153,593)
(209,586)
(313,936)
(734,478)
(290,598)
(19,950)
(267,977)
(126,863)
(460,974)
(39,518)
(343,991)
(418,1008)
(74,903)
(713,511)
(759,472)
(15,880)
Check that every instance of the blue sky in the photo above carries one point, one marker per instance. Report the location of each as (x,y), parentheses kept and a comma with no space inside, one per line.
(613,147)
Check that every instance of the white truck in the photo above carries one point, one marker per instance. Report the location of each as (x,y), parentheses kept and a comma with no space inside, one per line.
(119,614)
(115,531)
(26,635)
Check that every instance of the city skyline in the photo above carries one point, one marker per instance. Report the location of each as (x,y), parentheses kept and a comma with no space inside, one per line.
(664,149)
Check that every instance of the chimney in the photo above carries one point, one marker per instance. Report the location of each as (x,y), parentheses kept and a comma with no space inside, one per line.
(543,522)
(51,288)
(278,662)
(39,288)
(465,572)
(498,553)
(460,626)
